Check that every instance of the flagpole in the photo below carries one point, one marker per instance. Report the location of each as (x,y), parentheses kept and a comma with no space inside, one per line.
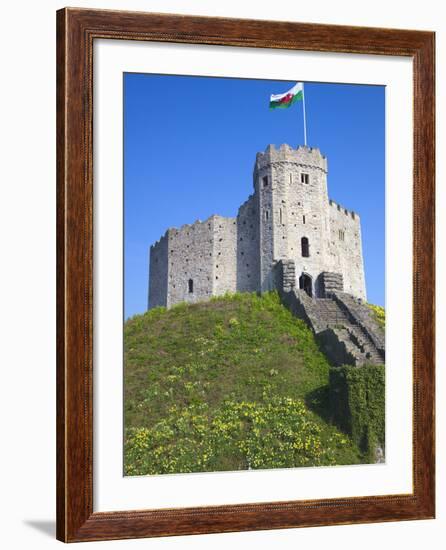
(305,115)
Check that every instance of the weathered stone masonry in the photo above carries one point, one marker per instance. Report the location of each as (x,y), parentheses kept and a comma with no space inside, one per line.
(288,217)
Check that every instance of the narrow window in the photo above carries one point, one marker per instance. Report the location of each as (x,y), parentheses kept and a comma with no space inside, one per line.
(266,214)
(281,217)
(191,286)
(305,178)
(291,178)
(303,220)
(265,181)
(305,247)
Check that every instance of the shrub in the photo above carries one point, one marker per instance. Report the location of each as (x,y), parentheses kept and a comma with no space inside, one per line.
(379,313)
(357,397)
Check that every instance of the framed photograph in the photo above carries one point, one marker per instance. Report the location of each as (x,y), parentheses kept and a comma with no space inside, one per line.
(245,275)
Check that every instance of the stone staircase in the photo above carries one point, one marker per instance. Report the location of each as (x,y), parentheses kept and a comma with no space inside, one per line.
(333,317)
(344,326)
(365,345)
(363,318)
(330,312)
(345,336)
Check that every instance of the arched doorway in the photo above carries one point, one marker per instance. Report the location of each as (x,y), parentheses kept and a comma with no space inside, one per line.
(306,283)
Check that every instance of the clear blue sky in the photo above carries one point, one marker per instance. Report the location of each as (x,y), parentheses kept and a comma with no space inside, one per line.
(190,145)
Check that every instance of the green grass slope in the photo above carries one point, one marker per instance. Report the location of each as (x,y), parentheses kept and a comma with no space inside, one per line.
(230,384)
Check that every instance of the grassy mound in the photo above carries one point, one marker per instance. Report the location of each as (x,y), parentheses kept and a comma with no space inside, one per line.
(229,384)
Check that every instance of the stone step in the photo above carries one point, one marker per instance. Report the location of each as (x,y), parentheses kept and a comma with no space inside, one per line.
(361,341)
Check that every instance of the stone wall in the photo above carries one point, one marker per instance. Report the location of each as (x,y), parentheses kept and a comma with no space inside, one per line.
(194,262)
(159,272)
(331,282)
(288,275)
(224,255)
(346,249)
(191,259)
(248,246)
(263,185)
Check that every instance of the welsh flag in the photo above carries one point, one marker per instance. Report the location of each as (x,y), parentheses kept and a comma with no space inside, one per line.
(288,98)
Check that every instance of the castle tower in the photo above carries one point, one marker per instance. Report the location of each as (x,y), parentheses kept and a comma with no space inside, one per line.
(294,216)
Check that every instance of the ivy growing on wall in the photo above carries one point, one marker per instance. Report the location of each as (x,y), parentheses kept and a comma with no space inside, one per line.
(357,398)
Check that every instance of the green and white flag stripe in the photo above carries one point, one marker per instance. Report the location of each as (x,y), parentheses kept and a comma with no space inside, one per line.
(282,101)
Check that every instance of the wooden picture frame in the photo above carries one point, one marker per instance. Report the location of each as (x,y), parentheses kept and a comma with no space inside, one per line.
(76,31)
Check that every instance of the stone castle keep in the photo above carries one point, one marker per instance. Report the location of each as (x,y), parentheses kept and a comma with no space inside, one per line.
(288,221)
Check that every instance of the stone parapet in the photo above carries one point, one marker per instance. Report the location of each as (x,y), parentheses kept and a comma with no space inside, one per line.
(285,275)
(331,282)
(303,156)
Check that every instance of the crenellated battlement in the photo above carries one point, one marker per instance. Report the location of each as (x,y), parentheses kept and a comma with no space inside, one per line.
(190,226)
(247,201)
(342,210)
(197,224)
(160,241)
(247,206)
(302,156)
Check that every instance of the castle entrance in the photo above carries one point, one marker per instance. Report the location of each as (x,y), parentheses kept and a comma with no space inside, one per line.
(306,283)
